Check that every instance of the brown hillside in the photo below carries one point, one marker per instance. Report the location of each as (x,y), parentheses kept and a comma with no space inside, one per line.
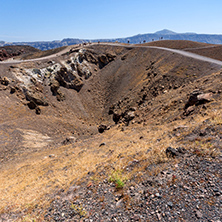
(214,52)
(7,52)
(177,44)
(204,49)
(56,166)
(41,54)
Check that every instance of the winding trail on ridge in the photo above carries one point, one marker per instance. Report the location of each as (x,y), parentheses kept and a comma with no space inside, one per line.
(180,52)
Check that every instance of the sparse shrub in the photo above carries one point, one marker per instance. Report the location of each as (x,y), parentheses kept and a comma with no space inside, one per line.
(117,178)
(79,210)
(204,148)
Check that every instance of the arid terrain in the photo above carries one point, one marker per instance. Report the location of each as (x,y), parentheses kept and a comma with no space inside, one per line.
(7,52)
(112,132)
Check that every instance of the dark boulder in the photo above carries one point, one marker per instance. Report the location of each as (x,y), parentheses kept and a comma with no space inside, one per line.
(197,97)
(32,105)
(37,110)
(4,81)
(54,86)
(102,128)
(68,79)
(116,116)
(171,152)
(37,98)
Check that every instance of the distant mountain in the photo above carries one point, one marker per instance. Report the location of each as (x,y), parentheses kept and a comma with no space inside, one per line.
(163,34)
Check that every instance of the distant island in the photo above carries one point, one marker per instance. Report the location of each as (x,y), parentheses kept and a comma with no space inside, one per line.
(137,39)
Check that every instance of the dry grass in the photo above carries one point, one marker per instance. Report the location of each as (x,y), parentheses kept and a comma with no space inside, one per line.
(36,176)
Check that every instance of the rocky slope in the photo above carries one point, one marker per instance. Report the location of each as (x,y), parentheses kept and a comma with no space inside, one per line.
(111,133)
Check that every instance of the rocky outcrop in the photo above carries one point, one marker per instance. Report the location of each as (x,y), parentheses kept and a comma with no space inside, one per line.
(68,79)
(102,128)
(4,81)
(122,117)
(37,98)
(83,71)
(90,57)
(54,86)
(196,98)
(104,59)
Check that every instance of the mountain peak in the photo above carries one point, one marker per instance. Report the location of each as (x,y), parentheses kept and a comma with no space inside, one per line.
(165,32)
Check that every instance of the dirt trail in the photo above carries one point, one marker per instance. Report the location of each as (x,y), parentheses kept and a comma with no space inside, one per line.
(181,52)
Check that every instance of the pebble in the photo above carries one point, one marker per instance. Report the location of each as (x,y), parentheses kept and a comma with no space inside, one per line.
(198,214)
(170,204)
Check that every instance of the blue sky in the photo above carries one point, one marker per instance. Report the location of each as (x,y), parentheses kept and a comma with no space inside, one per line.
(39,20)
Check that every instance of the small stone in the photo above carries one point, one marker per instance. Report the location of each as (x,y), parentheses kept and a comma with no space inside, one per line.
(37,110)
(102,128)
(198,214)
(12,90)
(157,194)
(32,105)
(119,203)
(102,144)
(181,150)
(189,110)
(4,81)
(152,196)
(51,155)
(131,188)
(171,152)
(170,204)
(136,217)
(158,216)
(69,140)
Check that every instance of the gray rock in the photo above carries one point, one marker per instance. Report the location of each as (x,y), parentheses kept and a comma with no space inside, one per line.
(198,214)
(170,204)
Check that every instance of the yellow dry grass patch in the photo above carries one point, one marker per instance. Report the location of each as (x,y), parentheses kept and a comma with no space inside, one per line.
(28,181)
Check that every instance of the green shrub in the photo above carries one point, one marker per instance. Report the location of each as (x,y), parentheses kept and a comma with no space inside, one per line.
(117,178)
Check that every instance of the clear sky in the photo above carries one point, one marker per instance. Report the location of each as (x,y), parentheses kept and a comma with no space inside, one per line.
(39,20)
